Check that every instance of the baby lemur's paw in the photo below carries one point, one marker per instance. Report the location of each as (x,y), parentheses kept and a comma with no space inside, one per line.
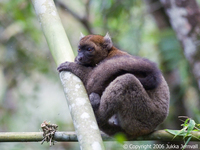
(94,100)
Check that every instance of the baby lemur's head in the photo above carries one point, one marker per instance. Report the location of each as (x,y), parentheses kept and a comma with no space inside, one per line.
(92,49)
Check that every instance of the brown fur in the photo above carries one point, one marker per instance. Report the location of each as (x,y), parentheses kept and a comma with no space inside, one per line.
(130,90)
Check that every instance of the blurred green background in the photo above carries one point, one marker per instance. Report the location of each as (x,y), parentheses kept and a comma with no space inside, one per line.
(30,89)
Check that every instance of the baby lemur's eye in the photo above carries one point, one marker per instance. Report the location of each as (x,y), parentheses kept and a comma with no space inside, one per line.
(90,49)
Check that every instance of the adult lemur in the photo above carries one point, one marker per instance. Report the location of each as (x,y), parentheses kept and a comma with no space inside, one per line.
(127,88)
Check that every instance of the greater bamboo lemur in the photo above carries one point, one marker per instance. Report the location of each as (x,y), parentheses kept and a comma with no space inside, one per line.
(129,89)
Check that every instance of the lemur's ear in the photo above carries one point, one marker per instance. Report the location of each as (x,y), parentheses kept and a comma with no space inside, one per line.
(81,35)
(108,41)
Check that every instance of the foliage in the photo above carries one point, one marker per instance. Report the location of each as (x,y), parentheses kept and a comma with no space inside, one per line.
(189,125)
(120,138)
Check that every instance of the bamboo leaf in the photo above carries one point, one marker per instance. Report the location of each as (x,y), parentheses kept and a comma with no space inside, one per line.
(186,142)
(176,132)
(191,126)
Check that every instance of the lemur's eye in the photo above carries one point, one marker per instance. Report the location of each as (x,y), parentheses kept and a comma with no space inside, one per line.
(89,49)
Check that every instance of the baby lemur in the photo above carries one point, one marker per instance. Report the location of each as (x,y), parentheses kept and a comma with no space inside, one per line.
(127,88)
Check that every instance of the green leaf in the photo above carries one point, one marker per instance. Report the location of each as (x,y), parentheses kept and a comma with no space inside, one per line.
(176,132)
(186,142)
(120,138)
(198,126)
(191,126)
(186,122)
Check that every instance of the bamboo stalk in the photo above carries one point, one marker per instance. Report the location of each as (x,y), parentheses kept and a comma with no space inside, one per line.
(80,108)
(159,135)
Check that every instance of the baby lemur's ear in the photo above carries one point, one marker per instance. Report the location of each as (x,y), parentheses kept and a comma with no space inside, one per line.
(108,42)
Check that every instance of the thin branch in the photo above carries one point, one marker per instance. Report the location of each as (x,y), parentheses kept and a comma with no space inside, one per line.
(66,8)
(83,20)
(87,8)
(159,135)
